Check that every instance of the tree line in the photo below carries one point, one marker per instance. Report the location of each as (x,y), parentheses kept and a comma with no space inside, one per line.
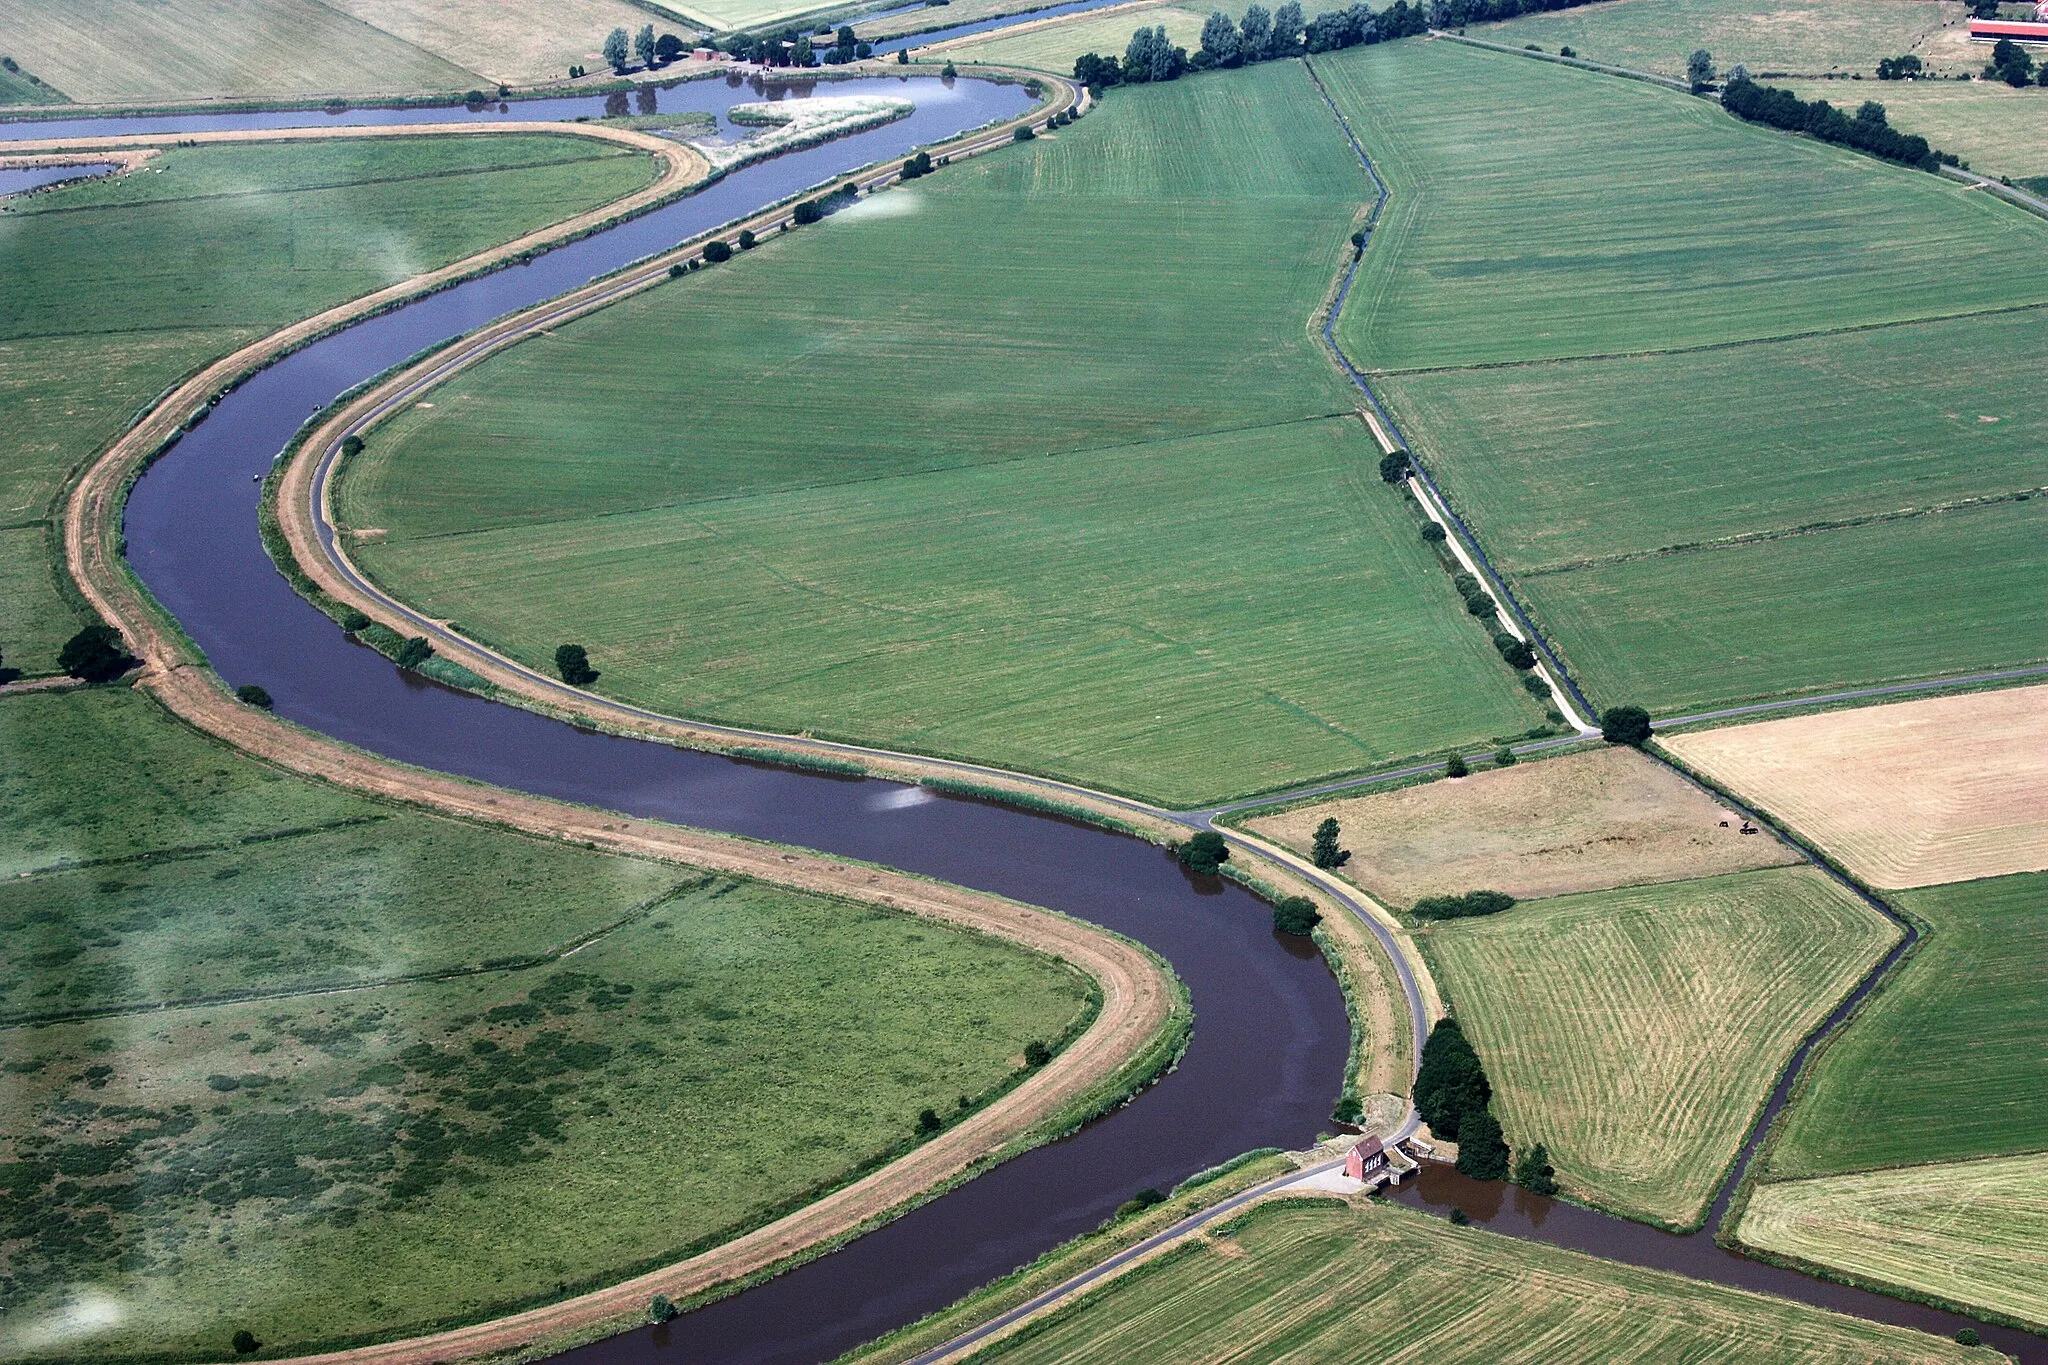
(1262,36)
(1867,131)
(1454,1097)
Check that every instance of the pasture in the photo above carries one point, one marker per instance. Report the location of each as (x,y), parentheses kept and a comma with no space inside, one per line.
(1943,1064)
(1323,1281)
(1729,434)
(983,519)
(1054,46)
(1581,822)
(1802,36)
(1998,130)
(1943,789)
(214,247)
(1973,1233)
(320,1166)
(1636,1032)
(138,51)
(1623,217)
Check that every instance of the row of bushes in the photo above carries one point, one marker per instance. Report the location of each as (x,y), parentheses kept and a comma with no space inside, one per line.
(1259,37)
(1468,906)
(1866,132)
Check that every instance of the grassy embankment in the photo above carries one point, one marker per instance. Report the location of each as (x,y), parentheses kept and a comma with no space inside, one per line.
(118,288)
(16,87)
(1636,1032)
(1635,224)
(1051,499)
(1318,1280)
(318,1165)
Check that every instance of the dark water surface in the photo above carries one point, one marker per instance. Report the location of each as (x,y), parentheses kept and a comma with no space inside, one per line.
(1271,1035)
(1271,1031)
(35,177)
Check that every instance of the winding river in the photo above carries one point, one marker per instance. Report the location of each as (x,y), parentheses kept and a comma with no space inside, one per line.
(1271,1031)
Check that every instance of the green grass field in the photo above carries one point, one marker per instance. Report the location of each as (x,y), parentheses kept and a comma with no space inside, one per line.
(1662,244)
(1813,36)
(17,88)
(1940,1065)
(141,50)
(211,248)
(1055,47)
(1973,1233)
(1996,129)
(1053,499)
(323,1165)
(1635,1032)
(1319,1281)
(1624,217)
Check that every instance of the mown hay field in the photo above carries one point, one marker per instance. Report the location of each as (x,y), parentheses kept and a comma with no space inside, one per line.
(1944,1063)
(1045,497)
(1973,1233)
(1996,129)
(1323,1281)
(1055,46)
(1912,793)
(136,51)
(1626,217)
(1636,1032)
(212,247)
(1810,36)
(1834,492)
(317,1166)
(1582,822)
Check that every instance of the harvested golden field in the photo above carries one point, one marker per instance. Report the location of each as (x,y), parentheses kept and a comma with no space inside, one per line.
(1584,822)
(1974,1233)
(1302,1280)
(116,51)
(1637,1032)
(1911,794)
(516,43)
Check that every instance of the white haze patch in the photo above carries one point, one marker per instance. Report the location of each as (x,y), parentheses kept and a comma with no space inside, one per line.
(896,203)
(87,1313)
(903,798)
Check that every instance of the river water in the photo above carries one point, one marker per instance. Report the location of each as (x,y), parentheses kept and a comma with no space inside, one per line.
(1271,1032)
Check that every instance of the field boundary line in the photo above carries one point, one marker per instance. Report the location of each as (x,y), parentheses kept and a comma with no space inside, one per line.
(1557,59)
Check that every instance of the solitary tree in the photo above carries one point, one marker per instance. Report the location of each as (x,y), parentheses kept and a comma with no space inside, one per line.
(1323,850)
(245,1342)
(1219,40)
(1533,1171)
(253,695)
(1036,1053)
(1204,852)
(615,49)
(1255,33)
(716,251)
(573,663)
(803,54)
(1296,915)
(928,1122)
(7,675)
(660,1310)
(1625,725)
(1699,69)
(669,48)
(95,654)
(414,652)
(1454,766)
(1504,757)
(747,239)
(1393,466)
(1434,532)
(643,45)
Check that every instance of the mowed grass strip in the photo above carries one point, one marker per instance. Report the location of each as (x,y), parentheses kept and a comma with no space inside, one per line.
(1182,619)
(1055,46)
(1623,217)
(1930,596)
(1323,1281)
(117,288)
(140,50)
(1563,463)
(1636,1032)
(1911,793)
(1944,1063)
(367,1165)
(1973,1233)
(1581,822)
(1044,497)
(1814,36)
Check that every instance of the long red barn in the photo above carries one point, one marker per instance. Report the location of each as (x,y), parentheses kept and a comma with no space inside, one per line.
(2019,31)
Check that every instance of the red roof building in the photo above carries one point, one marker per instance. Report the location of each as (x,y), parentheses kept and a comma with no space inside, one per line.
(2018,30)
(1365,1160)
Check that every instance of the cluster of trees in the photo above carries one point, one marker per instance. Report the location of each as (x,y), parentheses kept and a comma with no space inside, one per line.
(651,51)
(1468,906)
(791,48)
(1625,725)
(1866,132)
(1262,36)
(825,205)
(1204,853)
(1296,915)
(1458,13)
(2011,64)
(917,166)
(1906,68)
(1452,1094)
